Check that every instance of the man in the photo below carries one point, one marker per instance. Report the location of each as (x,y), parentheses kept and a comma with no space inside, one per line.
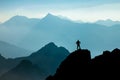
(78,44)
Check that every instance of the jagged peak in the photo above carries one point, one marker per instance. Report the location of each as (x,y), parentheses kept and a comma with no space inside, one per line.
(50,49)
(50,45)
(50,16)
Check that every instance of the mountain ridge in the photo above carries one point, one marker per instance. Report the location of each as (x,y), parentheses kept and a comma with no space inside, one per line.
(51,15)
(20,72)
(108,22)
(79,65)
(63,32)
(47,58)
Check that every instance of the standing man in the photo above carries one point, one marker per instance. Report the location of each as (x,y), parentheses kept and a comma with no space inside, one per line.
(78,44)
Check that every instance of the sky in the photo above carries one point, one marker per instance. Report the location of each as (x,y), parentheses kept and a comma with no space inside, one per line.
(85,10)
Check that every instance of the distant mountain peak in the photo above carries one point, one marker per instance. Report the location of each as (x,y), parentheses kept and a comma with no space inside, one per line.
(19,17)
(50,16)
(16,19)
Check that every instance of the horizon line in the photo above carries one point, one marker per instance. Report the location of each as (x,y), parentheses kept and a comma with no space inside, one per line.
(60,16)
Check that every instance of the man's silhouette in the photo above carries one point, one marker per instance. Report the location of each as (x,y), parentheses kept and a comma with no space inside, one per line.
(78,44)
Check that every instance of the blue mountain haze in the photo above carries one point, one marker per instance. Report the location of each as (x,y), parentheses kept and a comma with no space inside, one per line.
(95,37)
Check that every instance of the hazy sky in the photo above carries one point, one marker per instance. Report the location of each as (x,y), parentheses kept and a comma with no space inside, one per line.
(86,10)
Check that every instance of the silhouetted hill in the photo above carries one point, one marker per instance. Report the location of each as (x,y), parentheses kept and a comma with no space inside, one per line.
(47,58)
(23,71)
(6,64)
(108,58)
(79,66)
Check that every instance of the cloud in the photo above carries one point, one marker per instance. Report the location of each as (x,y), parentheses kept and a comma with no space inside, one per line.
(68,8)
(6,3)
(67,4)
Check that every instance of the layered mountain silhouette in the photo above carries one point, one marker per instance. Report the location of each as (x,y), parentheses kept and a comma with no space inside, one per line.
(47,59)
(32,34)
(80,66)
(21,21)
(23,71)
(11,51)
(77,65)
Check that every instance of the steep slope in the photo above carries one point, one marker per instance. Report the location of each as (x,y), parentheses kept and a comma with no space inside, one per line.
(12,51)
(79,66)
(49,57)
(23,71)
(73,67)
